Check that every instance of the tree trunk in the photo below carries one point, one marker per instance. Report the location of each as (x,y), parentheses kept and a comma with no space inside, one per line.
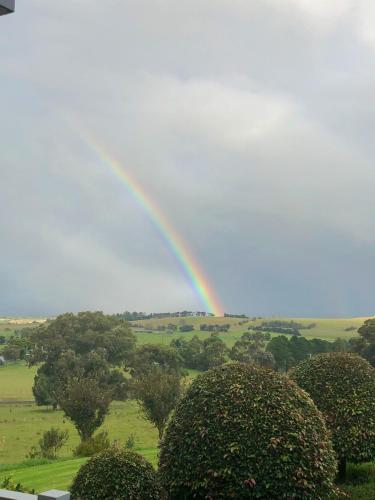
(342,469)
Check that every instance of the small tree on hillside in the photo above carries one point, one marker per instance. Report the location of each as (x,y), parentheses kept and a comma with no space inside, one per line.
(157,393)
(51,441)
(342,385)
(86,404)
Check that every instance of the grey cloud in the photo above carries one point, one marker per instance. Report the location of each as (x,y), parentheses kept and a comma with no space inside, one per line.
(249,123)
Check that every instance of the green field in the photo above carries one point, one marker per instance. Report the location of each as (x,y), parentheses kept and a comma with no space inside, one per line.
(327,329)
(16,381)
(21,426)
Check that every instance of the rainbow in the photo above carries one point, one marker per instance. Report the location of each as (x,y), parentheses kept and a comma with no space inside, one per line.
(178,247)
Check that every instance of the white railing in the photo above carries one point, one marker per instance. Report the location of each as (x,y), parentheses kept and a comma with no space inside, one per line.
(47,495)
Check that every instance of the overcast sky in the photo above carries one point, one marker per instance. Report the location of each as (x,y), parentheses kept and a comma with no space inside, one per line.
(249,122)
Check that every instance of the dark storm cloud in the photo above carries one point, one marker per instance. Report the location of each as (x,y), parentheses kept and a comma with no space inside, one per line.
(250,124)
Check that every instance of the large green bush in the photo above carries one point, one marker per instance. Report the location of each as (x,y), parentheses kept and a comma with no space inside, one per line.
(246,432)
(342,386)
(116,474)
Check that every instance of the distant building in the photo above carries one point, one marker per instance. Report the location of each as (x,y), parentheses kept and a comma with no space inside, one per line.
(7,7)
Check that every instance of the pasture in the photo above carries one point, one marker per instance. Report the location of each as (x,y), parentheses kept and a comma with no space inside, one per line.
(326,328)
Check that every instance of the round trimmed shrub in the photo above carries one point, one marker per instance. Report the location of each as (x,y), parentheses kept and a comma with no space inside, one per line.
(246,432)
(342,385)
(116,474)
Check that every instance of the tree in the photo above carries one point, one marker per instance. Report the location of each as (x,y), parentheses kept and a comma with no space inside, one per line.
(300,348)
(16,349)
(149,356)
(51,379)
(342,385)
(44,390)
(157,393)
(279,347)
(215,352)
(365,344)
(86,404)
(245,432)
(82,333)
(251,349)
(340,345)
(190,351)
(186,328)
(52,441)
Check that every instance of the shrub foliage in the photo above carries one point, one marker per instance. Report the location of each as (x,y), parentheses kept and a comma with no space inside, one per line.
(246,432)
(115,474)
(342,386)
(93,445)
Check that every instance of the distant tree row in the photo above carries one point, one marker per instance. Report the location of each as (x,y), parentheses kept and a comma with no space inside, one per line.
(275,329)
(200,354)
(137,316)
(214,327)
(288,324)
(288,352)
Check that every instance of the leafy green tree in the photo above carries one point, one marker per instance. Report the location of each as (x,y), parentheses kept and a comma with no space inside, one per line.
(86,404)
(342,385)
(300,348)
(157,393)
(340,345)
(150,356)
(16,349)
(83,346)
(365,344)
(215,352)
(319,346)
(190,351)
(251,349)
(52,378)
(82,333)
(44,389)
(186,328)
(280,349)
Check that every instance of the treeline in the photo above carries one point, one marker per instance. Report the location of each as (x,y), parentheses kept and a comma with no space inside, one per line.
(275,329)
(288,352)
(138,316)
(258,348)
(200,354)
(288,324)
(282,327)
(214,327)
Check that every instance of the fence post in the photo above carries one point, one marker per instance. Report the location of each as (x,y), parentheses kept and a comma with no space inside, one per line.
(54,495)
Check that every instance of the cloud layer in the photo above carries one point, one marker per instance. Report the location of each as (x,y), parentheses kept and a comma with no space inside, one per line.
(249,123)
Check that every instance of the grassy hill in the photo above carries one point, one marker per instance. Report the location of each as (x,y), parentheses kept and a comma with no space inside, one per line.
(326,328)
